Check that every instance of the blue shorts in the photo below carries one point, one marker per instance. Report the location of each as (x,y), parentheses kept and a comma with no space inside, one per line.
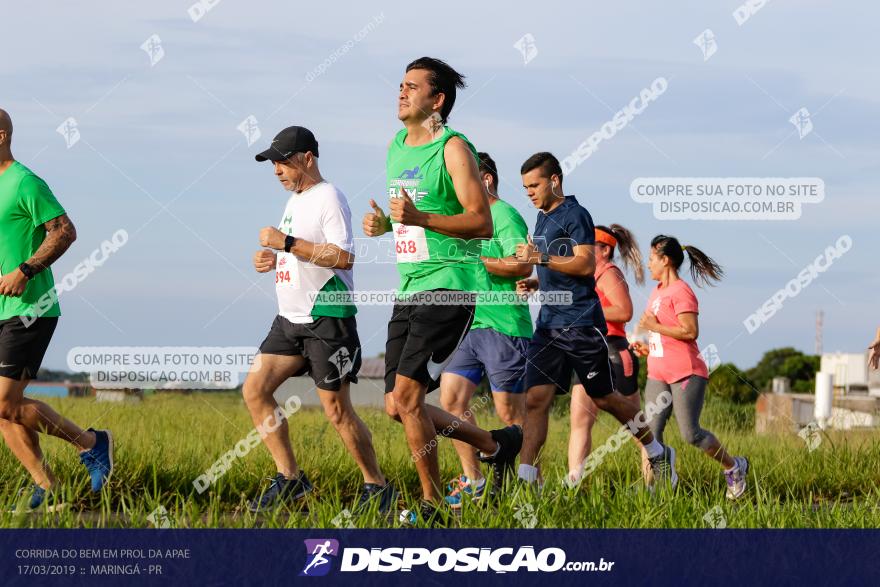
(555,353)
(501,357)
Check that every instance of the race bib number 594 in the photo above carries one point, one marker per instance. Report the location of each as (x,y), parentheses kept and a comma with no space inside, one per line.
(285,270)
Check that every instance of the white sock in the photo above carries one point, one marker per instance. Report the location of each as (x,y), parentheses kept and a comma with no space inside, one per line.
(528,473)
(654,449)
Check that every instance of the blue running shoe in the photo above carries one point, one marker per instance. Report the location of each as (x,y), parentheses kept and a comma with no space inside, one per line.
(99,459)
(465,489)
(40,497)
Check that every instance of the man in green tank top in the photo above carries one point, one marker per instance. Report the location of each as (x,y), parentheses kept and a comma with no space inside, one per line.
(438,211)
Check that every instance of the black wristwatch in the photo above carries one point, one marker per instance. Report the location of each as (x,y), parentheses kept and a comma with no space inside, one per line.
(289,242)
(28,271)
(545,259)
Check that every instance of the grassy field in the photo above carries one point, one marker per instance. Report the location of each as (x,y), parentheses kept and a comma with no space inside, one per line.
(165,442)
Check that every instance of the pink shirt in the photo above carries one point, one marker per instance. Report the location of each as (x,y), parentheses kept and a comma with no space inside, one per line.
(672,360)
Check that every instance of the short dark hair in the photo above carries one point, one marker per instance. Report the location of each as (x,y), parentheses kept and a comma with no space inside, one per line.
(548,163)
(443,80)
(487,165)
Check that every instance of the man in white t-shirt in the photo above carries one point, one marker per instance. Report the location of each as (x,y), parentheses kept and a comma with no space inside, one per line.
(311,253)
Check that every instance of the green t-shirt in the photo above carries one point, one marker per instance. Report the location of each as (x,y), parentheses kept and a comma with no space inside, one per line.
(426,259)
(26,204)
(509,230)
(337,287)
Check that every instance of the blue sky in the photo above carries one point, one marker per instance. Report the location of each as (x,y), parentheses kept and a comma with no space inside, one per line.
(160,155)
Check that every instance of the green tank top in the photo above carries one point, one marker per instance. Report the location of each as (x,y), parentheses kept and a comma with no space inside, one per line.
(426,259)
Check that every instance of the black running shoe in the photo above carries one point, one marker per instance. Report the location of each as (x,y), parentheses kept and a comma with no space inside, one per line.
(281,490)
(385,494)
(427,515)
(510,442)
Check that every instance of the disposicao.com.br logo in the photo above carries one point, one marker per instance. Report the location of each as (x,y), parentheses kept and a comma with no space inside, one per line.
(441,560)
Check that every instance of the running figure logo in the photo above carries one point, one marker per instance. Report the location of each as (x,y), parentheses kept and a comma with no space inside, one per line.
(802,122)
(153,48)
(250,128)
(344,361)
(317,553)
(527,48)
(706,42)
(70,131)
(411,174)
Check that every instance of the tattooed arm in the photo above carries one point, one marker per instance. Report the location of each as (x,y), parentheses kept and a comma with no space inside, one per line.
(60,234)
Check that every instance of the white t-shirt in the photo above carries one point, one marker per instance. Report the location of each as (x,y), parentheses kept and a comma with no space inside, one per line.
(319,215)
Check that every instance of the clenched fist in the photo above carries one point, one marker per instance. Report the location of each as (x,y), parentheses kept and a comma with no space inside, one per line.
(264,261)
(13,284)
(404,211)
(272,238)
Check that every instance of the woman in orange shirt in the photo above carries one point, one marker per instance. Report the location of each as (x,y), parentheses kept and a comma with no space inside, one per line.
(617,306)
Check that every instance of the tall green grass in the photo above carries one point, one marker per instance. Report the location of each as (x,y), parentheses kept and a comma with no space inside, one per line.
(165,442)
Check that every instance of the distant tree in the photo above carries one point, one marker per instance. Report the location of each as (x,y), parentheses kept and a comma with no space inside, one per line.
(785,362)
(802,372)
(729,382)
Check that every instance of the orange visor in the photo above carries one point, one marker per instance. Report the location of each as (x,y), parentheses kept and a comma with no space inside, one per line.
(604,237)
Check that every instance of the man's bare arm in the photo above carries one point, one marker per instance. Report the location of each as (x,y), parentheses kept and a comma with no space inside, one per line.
(507,266)
(581,264)
(323,254)
(60,234)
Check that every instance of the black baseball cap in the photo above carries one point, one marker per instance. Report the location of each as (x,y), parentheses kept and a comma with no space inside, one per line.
(291,140)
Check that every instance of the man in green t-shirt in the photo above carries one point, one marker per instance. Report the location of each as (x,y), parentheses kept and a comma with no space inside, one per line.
(311,254)
(497,342)
(438,210)
(34,233)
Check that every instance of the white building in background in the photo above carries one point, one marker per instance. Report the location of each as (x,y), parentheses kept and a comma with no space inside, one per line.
(851,373)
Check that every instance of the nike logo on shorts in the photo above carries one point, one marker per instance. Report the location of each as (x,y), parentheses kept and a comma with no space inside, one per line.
(592,374)
(435,369)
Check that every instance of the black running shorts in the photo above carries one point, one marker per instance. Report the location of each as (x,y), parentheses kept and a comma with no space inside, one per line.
(625,365)
(554,353)
(22,348)
(423,337)
(330,347)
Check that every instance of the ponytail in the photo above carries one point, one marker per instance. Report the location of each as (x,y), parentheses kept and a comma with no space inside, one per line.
(631,257)
(703,268)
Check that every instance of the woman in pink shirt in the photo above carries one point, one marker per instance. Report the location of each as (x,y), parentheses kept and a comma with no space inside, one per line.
(674,363)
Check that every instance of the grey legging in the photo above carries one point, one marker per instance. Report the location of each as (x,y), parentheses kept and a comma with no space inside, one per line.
(687,403)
